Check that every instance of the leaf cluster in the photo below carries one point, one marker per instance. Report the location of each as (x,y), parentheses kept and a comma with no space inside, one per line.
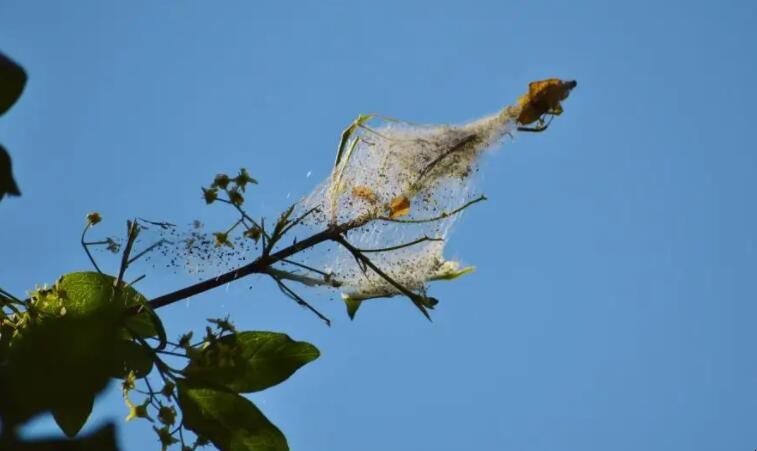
(61,346)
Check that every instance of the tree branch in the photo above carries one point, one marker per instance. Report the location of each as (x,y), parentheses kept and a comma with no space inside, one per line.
(259,265)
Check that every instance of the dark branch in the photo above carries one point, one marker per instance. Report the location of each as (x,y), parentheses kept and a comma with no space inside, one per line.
(259,265)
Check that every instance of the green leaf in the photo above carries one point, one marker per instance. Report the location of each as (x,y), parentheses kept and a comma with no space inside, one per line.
(87,291)
(352,305)
(229,420)
(12,82)
(71,417)
(56,362)
(81,292)
(7,183)
(451,272)
(74,341)
(131,356)
(104,439)
(250,361)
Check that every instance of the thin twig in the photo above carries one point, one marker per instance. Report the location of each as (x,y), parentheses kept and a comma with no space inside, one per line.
(162,366)
(136,280)
(10,297)
(96,243)
(305,280)
(276,235)
(303,266)
(265,237)
(173,354)
(246,216)
(456,148)
(86,249)
(419,301)
(148,249)
(298,220)
(401,246)
(436,218)
(162,225)
(133,231)
(298,299)
(9,301)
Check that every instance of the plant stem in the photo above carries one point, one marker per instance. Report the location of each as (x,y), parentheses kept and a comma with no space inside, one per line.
(259,265)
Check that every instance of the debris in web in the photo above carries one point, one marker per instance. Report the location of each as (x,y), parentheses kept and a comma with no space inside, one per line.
(189,249)
(412,182)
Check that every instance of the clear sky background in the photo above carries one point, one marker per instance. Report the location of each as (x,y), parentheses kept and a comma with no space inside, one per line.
(614,303)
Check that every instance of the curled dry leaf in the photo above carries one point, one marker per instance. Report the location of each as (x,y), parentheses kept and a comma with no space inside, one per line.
(365,193)
(399,206)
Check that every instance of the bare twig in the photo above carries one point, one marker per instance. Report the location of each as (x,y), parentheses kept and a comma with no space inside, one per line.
(135,280)
(421,302)
(8,300)
(246,216)
(163,225)
(278,230)
(303,266)
(298,220)
(10,297)
(133,231)
(148,249)
(401,246)
(298,299)
(462,145)
(96,243)
(86,248)
(443,215)
(299,278)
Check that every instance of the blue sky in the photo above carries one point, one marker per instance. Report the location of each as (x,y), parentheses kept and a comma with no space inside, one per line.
(614,302)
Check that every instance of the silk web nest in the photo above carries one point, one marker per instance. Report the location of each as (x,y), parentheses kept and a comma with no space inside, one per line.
(411,182)
(406,184)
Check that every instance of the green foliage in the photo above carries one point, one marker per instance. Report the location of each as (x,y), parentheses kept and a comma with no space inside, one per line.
(7,183)
(352,306)
(249,361)
(60,348)
(206,393)
(129,356)
(12,82)
(54,362)
(71,417)
(227,419)
(63,347)
(83,292)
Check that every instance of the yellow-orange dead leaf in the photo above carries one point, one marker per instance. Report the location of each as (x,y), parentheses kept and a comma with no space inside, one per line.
(365,193)
(399,206)
(543,97)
